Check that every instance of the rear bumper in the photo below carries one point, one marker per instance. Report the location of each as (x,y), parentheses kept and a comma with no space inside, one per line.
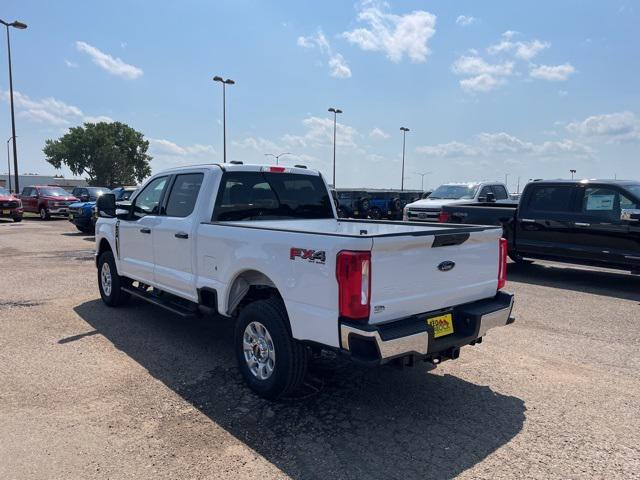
(378,344)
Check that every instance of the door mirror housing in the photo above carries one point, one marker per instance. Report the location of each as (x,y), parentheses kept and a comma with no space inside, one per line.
(106,205)
(630,215)
(491,197)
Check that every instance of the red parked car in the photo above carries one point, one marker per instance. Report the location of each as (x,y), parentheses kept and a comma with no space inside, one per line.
(10,205)
(46,200)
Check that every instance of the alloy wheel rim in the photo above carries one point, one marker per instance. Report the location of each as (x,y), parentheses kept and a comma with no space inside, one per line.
(105,279)
(259,351)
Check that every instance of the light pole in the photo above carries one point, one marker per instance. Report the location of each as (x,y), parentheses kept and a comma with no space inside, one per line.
(224,82)
(277,157)
(506,180)
(404,138)
(422,175)
(335,112)
(19,26)
(573,171)
(9,164)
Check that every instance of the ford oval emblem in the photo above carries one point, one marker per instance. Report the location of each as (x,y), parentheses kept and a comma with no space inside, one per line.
(446,266)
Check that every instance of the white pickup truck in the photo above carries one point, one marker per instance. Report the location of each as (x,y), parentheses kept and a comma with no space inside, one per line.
(428,209)
(264,245)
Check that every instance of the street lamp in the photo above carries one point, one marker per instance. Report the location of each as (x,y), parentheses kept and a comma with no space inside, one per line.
(404,138)
(277,157)
(9,164)
(224,82)
(19,26)
(335,112)
(422,175)
(573,171)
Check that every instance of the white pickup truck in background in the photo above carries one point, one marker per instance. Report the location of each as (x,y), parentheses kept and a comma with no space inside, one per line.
(428,209)
(264,244)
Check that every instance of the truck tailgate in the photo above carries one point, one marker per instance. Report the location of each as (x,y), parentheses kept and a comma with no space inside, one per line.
(417,274)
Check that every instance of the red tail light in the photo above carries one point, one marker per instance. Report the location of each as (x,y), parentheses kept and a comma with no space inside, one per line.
(274,169)
(502,263)
(444,217)
(353,271)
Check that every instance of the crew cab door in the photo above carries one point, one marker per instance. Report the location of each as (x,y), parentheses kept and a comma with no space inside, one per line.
(137,232)
(173,236)
(600,234)
(545,221)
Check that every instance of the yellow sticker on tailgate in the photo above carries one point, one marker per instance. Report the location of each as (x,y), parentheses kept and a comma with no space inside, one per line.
(442,325)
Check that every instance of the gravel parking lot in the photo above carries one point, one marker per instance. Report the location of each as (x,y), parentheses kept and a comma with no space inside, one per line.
(92,392)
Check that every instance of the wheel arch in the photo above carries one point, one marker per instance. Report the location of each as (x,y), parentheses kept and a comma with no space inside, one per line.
(248,285)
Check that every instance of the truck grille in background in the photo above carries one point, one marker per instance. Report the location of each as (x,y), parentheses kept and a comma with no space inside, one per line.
(11,204)
(423,214)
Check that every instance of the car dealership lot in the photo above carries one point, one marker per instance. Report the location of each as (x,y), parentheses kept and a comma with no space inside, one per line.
(87,391)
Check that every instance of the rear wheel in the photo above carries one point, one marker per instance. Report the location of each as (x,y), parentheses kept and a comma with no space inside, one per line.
(517,258)
(17,219)
(272,362)
(44,214)
(109,282)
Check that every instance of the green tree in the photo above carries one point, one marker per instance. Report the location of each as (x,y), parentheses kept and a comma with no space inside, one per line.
(110,154)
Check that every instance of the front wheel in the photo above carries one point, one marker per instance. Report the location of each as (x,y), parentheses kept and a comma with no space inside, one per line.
(272,362)
(17,219)
(44,214)
(109,282)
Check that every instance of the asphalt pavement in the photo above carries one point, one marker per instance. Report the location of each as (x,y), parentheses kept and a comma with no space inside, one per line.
(92,392)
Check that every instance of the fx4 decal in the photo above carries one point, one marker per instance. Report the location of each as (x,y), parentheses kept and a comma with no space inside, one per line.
(313,256)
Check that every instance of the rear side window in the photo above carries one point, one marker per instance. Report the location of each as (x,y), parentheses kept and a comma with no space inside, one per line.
(500,192)
(268,196)
(555,198)
(184,193)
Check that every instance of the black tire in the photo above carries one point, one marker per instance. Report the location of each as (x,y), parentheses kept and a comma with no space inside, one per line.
(17,219)
(363,205)
(84,229)
(517,258)
(44,213)
(114,295)
(396,204)
(290,364)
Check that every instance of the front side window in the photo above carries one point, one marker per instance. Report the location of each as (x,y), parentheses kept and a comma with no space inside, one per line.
(148,202)
(184,193)
(551,199)
(268,196)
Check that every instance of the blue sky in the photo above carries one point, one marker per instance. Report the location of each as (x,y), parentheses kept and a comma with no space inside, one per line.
(528,89)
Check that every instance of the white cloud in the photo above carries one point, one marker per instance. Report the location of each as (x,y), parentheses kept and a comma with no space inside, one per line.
(553,73)
(115,66)
(614,127)
(485,76)
(70,64)
(522,50)
(466,65)
(319,133)
(336,62)
(49,110)
(339,67)
(503,146)
(395,35)
(378,133)
(98,119)
(161,146)
(465,20)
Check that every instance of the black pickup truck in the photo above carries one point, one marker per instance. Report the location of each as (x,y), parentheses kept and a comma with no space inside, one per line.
(587,222)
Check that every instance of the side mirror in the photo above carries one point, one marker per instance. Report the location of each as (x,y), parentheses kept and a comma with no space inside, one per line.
(491,197)
(106,205)
(630,215)
(84,197)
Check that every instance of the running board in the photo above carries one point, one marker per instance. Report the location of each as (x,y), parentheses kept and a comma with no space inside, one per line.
(167,304)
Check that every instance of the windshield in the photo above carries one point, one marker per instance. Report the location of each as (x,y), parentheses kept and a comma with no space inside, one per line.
(454,192)
(268,196)
(4,192)
(634,189)
(126,194)
(54,192)
(97,191)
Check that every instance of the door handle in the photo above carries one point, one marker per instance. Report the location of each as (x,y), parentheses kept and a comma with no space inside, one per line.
(527,220)
(580,224)
(181,235)
(145,230)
